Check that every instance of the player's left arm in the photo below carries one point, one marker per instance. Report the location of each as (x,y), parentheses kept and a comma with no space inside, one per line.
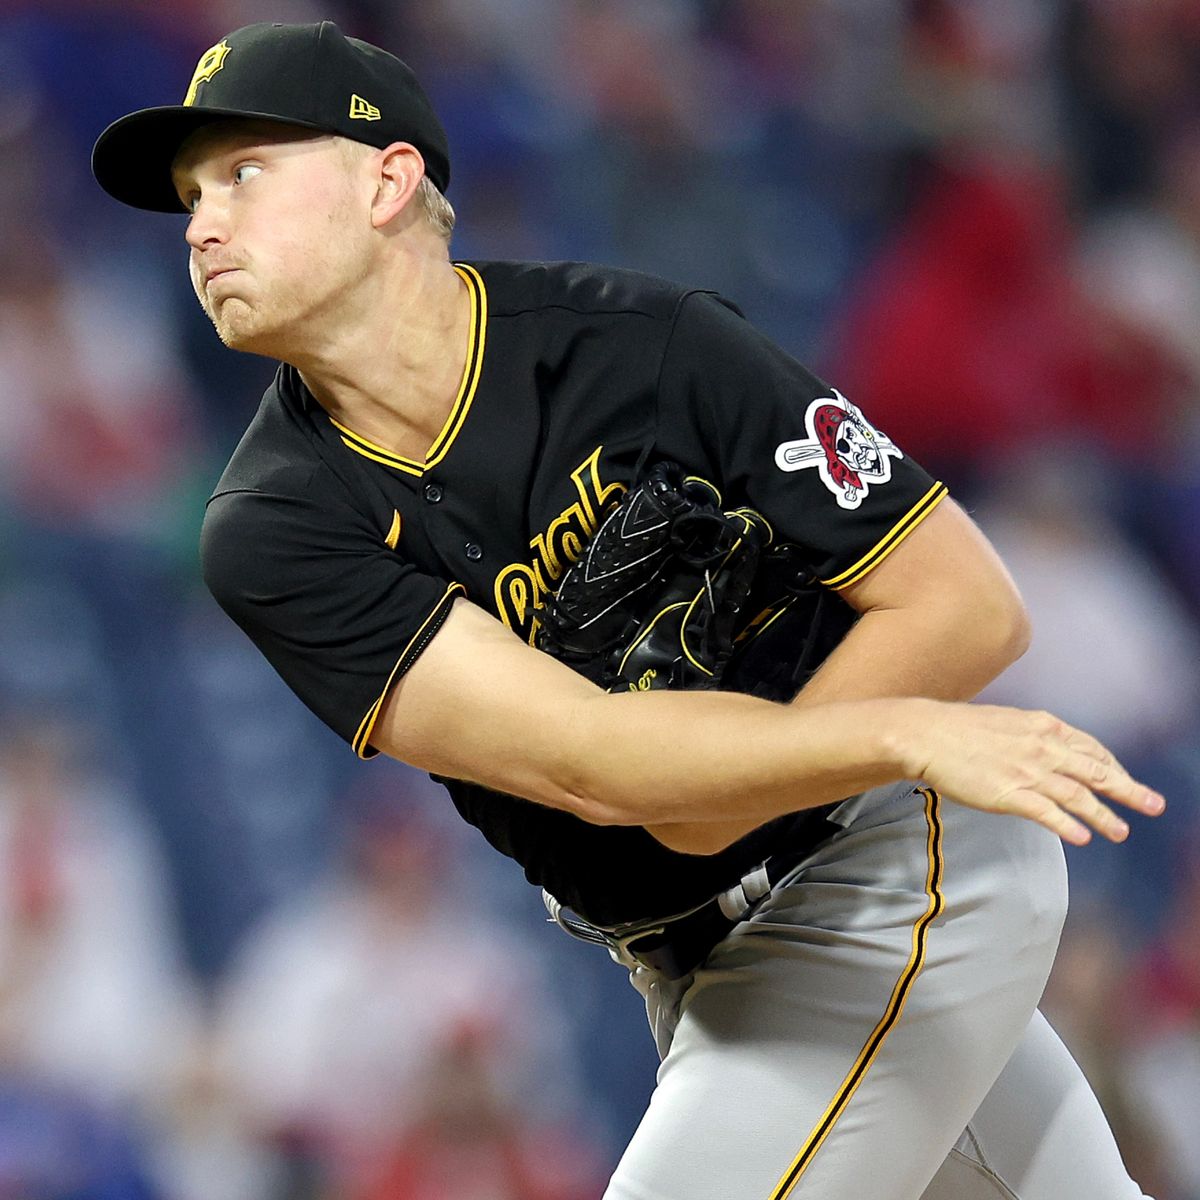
(940,617)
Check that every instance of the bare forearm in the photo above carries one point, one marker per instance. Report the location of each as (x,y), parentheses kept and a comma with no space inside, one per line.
(631,759)
(684,759)
(996,759)
(667,758)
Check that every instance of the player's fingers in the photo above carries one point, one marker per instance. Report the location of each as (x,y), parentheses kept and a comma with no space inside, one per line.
(1107,777)
(1037,806)
(1078,800)
(1110,777)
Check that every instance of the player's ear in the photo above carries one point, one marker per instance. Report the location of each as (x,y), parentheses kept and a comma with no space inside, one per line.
(400,170)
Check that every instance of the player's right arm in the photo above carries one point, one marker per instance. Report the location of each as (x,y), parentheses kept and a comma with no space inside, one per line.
(390,659)
(480,704)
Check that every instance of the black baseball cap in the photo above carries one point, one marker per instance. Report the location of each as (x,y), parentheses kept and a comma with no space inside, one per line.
(312,76)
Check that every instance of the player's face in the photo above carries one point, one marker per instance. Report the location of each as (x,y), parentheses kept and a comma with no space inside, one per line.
(276,246)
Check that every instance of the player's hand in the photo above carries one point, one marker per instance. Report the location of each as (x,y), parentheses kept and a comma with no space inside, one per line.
(1032,764)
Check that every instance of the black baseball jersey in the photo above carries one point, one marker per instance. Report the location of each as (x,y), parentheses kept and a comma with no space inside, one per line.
(340,559)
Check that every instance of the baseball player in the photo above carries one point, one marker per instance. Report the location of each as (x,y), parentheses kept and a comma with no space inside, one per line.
(463,471)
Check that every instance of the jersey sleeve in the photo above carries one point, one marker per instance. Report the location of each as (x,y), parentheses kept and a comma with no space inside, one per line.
(773,436)
(338,614)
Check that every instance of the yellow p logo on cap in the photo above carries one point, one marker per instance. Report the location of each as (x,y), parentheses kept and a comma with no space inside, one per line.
(211,61)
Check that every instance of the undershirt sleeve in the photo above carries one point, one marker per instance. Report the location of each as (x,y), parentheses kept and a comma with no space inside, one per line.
(338,614)
(736,408)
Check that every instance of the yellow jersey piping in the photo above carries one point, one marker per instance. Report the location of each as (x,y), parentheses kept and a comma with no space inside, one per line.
(890,540)
(467,387)
(375,453)
(362,738)
(472,370)
(895,1006)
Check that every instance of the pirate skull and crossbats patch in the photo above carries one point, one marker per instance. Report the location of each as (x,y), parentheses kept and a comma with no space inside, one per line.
(847,451)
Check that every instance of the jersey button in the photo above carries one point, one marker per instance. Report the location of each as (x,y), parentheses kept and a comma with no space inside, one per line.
(434,493)
(473,551)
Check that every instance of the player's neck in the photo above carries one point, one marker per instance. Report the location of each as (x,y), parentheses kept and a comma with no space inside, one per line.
(390,370)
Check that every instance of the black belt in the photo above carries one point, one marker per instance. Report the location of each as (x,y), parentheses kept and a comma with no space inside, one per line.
(675,946)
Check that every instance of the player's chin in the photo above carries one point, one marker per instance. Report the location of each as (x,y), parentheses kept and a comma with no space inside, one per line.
(231,338)
(240,327)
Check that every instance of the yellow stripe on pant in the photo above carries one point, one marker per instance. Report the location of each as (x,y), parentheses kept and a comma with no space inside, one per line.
(895,1006)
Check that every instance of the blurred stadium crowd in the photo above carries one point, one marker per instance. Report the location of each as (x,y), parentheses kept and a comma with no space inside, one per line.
(236,965)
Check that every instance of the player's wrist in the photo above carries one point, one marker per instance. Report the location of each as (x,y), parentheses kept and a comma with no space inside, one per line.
(899,735)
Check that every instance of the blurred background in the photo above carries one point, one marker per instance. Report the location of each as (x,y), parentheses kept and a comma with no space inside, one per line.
(235,964)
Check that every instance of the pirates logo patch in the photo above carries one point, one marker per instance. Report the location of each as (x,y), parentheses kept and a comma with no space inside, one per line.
(847,451)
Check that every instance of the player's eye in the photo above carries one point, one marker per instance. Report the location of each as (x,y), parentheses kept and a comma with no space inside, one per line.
(245,171)
(191,201)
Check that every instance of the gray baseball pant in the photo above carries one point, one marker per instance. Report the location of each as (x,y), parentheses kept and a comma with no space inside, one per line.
(871,1031)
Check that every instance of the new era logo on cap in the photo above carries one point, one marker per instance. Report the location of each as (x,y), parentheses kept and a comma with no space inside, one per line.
(363,110)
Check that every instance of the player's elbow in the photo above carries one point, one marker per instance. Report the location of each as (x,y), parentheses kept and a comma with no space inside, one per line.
(1021,634)
(606,759)
(992,634)
(982,631)
(591,802)
(983,620)
(1007,628)
(591,778)
(583,790)
(596,808)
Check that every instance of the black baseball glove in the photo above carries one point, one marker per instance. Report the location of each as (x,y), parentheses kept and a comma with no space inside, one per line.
(659,594)
(674,592)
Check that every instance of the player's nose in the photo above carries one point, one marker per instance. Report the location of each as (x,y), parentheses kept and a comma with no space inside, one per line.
(208,225)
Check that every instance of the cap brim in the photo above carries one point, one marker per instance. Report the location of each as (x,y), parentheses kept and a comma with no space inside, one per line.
(132,158)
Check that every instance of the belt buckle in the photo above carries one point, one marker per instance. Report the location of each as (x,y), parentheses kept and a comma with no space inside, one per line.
(681,945)
(621,946)
(613,940)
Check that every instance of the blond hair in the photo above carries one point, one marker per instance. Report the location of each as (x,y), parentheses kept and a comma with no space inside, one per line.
(438,211)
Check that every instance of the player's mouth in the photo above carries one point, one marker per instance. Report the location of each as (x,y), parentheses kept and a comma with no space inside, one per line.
(217,273)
